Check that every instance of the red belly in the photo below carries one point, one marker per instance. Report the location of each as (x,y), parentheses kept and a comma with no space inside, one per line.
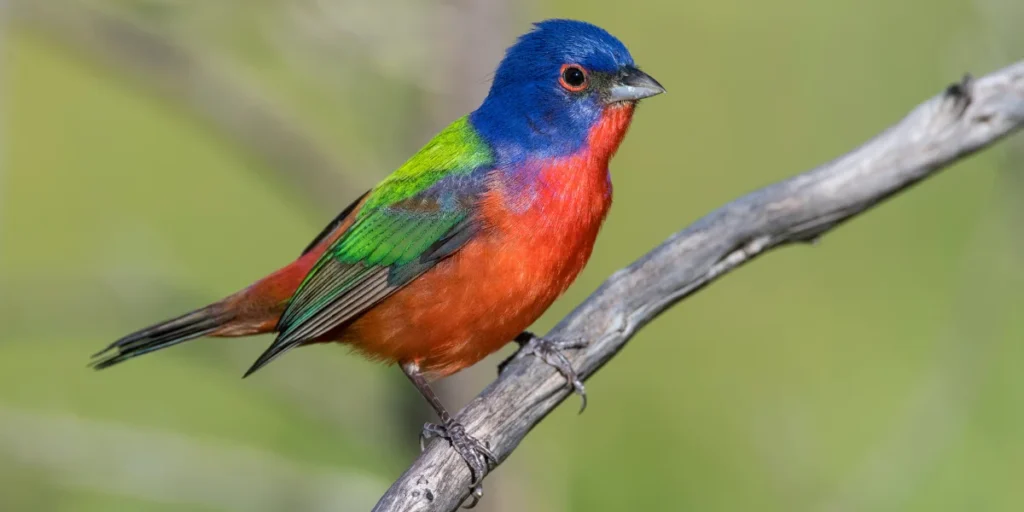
(471,304)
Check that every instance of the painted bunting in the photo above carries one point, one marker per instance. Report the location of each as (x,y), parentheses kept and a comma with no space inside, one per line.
(466,244)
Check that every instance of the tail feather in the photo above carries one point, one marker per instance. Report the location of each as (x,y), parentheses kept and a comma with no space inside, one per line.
(253,310)
(196,324)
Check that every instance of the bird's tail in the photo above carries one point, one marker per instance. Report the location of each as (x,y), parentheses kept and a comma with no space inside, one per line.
(196,324)
(254,310)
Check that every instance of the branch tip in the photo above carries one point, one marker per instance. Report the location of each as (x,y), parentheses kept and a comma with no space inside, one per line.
(961,93)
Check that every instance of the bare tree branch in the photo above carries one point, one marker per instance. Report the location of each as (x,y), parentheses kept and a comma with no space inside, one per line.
(965,118)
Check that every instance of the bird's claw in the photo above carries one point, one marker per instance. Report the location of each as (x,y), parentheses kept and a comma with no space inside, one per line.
(477,455)
(550,351)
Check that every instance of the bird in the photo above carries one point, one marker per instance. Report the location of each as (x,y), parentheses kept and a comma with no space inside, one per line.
(458,251)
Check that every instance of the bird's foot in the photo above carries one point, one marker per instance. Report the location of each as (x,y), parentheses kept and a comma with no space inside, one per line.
(550,351)
(477,455)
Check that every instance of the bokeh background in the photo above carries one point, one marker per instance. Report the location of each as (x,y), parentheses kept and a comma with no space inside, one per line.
(159,154)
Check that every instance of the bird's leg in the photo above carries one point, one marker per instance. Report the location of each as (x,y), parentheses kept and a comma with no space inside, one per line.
(477,456)
(550,351)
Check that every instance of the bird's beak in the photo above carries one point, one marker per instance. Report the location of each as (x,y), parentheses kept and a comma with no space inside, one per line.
(631,84)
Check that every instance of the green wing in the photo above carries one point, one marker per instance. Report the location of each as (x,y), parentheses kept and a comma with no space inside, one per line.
(419,215)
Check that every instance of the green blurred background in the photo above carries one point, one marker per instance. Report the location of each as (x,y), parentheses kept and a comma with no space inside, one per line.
(159,154)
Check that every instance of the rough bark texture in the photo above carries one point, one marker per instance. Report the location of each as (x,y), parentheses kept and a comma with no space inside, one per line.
(968,116)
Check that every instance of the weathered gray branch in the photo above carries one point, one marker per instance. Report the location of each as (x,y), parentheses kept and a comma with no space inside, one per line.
(965,118)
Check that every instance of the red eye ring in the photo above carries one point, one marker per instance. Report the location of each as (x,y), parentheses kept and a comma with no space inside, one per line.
(573,78)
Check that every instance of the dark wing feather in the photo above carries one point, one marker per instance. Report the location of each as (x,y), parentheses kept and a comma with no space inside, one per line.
(335,223)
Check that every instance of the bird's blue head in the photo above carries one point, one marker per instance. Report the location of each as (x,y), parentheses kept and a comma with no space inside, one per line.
(552,88)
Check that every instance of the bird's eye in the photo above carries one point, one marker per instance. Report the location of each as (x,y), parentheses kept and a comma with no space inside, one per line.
(574,78)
